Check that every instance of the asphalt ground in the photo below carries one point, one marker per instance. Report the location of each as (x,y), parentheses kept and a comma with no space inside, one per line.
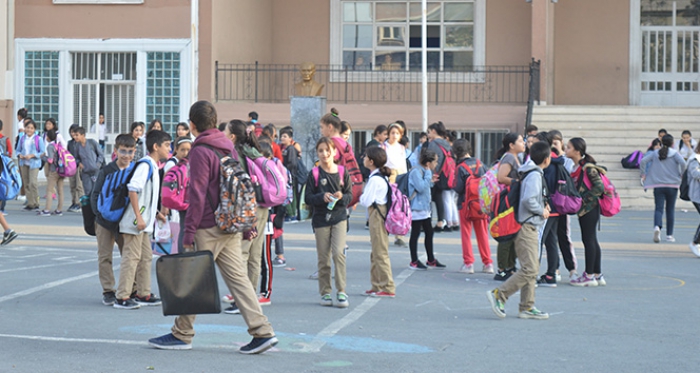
(645,319)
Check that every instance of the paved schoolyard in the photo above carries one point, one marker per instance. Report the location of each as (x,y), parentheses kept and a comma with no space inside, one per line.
(52,319)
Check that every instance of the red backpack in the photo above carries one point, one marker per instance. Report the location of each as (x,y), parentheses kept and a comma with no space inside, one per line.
(449,167)
(348,161)
(471,207)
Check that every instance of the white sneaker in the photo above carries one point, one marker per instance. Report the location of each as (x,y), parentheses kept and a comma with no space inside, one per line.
(467,268)
(601,280)
(228,298)
(488,269)
(657,234)
(557,276)
(22,198)
(670,239)
(572,276)
(695,249)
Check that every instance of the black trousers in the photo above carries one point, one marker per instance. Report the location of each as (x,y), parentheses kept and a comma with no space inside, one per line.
(589,236)
(436,196)
(416,226)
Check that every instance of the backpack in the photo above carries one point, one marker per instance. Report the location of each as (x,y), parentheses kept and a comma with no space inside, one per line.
(446,181)
(4,145)
(65,165)
(632,160)
(610,200)
(398,214)
(236,210)
(173,192)
(269,182)
(347,160)
(489,189)
(471,206)
(565,198)
(10,180)
(114,196)
(402,183)
(685,187)
(503,224)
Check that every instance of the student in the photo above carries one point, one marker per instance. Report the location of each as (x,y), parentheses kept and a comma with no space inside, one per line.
(532,213)
(138,223)
(462,150)
(378,137)
(436,142)
(107,232)
(137,130)
(345,130)
(254,126)
(100,128)
(414,157)
(513,144)
(55,181)
(449,196)
(694,194)
(420,180)
(374,198)
(531,130)
(201,228)
(6,148)
(662,133)
(76,184)
(155,125)
(246,146)
(686,145)
(664,175)
(22,115)
(271,131)
(183,130)
(589,215)
(182,146)
(29,151)
(50,124)
(329,197)
(89,158)
(291,159)
(395,161)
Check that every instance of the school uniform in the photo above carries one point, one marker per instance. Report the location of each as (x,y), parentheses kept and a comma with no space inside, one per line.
(374,198)
(29,168)
(54,180)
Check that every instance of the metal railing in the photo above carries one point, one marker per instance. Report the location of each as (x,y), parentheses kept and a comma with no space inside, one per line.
(533,91)
(473,84)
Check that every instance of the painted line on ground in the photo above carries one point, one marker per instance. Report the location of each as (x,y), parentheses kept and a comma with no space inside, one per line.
(329,331)
(48,285)
(80,340)
(45,266)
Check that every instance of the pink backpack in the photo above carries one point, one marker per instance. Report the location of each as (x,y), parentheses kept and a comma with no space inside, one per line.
(269,181)
(398,216)
(610,201)
(65,166)
(489,189)
(173,193)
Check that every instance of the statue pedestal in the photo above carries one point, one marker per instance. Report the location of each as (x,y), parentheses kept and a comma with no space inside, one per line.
(306,113)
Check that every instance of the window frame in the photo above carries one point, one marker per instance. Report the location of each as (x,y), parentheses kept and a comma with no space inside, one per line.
(98,2)
(478,49)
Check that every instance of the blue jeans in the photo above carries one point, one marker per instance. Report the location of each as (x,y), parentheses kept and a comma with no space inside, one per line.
(668,196)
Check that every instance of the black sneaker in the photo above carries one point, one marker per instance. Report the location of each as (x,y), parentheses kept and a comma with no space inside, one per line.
(148,300)
(126,304)
(233,310)
(501,276)
(437,229)
(109,298)
(169,342)
(7,237)
(258,345)
(74,208)
(547,281)
(435,264)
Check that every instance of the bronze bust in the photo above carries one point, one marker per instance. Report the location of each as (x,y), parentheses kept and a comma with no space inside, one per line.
(308,86)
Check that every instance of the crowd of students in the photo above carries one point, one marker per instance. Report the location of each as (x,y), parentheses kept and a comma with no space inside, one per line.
(439,171)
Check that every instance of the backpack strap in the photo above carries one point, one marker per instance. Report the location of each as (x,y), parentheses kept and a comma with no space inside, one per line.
(36,142)
(341,174)
(388,197)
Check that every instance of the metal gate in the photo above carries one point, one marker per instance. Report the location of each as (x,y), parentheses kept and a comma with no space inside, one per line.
(104,83)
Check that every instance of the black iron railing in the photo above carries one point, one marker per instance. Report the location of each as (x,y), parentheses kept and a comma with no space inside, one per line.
(533,91)
(473,84)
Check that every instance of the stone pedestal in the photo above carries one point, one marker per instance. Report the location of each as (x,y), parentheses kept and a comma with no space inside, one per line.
(306,113)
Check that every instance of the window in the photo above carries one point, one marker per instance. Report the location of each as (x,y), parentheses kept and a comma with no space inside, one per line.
(98,1)
(386,35)
(41,85)
(163,88)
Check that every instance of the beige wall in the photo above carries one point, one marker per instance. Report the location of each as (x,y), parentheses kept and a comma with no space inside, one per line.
(152,19)
(242,31)
(205,88)
(301,31)
(508,32)
(591,49)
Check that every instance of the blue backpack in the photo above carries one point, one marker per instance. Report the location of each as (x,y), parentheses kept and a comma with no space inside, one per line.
(114,196)
(10,180)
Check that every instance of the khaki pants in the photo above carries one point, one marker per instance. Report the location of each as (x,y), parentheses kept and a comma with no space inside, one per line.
(29,177)
(380,263)
(136,265)
(54,182)
(525,278)
(226,249)
(76,188)
(252,250)
(105,248)
(330,242)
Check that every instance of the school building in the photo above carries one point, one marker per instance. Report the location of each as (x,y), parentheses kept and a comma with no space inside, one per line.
(145,59)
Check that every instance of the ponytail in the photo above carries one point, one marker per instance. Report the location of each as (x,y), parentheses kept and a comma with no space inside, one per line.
(666,143)
(384,170)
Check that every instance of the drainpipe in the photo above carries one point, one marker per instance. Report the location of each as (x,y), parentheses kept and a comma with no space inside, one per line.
(194,40)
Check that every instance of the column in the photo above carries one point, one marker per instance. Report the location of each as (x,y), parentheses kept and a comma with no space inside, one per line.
(543,46)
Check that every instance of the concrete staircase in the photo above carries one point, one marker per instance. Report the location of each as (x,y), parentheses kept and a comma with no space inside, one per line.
(612,132)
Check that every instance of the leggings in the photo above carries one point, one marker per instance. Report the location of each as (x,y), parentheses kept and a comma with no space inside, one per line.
(450,204)
(266,268)
(436,195)
(416,226)
(589,236)
(565,246)
(696,239)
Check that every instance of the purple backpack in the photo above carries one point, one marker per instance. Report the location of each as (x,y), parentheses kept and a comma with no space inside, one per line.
(269,181)
(398,215)
(65,164)
(633,160)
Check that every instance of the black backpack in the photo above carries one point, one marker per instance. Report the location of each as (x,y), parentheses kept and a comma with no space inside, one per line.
(632,160)
(685,188)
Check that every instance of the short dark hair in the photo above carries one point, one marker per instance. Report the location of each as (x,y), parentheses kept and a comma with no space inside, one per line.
(461,147)
(539,152)
(253,115)
(222,126)
(288,130)
(530,128)
(80,130)
(203,115)
(135,125)
(22,113)
(663,130)
(427,155)
(73,128)
(124,140)
(156,137)
(51,135)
